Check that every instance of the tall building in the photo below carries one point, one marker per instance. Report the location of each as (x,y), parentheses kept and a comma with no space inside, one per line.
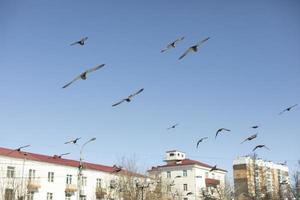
(30,176)
(188,179)
(255,177)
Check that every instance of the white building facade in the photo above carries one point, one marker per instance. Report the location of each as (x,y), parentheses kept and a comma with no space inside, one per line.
(29,176)
(188,179)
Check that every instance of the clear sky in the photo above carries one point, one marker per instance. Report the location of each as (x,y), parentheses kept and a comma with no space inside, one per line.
(244,75)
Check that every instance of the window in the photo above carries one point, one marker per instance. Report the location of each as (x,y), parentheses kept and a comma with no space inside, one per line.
(98,182)
(184,173)
(31,175)
(185,187)
(49,196)
(10,172)
(168,174)
(69,179)
(171,154)
(9,194)
(30,195)
(68,196)
(51,177)
(84,181)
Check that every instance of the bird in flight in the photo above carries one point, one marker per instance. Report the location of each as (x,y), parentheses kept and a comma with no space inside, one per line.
(63,154)
(260,146)
(128,99)
(117,168)
(201,140)
(73,141)
(213,168)
(220,130)
(173,126)
(250,138)
(22,147)
(288,109)
(172,44)
(255,126)
(83,75)
(81,41)
(193,48)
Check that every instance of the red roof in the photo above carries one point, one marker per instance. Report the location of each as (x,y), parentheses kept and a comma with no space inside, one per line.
(54,160)
(185,162)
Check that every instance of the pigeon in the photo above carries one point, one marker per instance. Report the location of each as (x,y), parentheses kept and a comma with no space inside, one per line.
(73,141)
(128,99)
(63,154)
(213,168)
(83,75)
(260,146)
(172,44)
(220,130)
(288,109)
(81,41)
(22,147)
(117,168)
(174,126)
(201,140)
(193,48)
(250,138)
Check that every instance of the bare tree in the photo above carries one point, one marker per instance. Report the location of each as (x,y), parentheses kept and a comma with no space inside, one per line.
(295,186)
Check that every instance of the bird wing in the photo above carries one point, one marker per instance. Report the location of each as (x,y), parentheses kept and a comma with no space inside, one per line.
(94,68)
(218,131)
(245,140)
(293,106)
(225,129)
(84,39)
(266,147)
(141,90)
(75,43)
(202,41)
(198,143)
(282,111)
(118,103)
(255,148)
(75,79)
(185,53)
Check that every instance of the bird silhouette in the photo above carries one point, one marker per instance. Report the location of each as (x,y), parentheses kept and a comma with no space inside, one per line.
(81,41)
(201,140)
(172,44)
(288,109)
(213,168)
(220,130)
(22,147)
(260,146)
(255,126)
(173,126)
(83,75)
(250,138)
(189,193)
(73,141)
(63,154)
(193,48)
(117,168)
(128,99)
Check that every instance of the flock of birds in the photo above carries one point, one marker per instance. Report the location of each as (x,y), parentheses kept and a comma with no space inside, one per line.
(192,49)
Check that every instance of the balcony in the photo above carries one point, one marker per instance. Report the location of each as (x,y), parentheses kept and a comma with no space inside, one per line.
(100,192)
(70,188)
(33,185)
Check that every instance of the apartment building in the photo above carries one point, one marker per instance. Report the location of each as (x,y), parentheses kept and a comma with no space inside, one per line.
(30,176)
(188,179)
(255,177)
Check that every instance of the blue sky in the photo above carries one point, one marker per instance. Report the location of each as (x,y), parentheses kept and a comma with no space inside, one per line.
(244,75)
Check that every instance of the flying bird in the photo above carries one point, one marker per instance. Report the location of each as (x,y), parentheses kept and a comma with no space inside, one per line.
(255,126)
(193,48)
(83,75)
(172,44)
(128,99)
(249,138)
(213,168)
(201,140)
(22,147)
(288,109)
(63,154)
(220,130)
(260,146)
(173,126)
(117,168)
(73,141)
(81,41)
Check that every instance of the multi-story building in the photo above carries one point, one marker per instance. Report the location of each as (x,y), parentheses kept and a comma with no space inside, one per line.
(188,179)
(30,176)
(254,177)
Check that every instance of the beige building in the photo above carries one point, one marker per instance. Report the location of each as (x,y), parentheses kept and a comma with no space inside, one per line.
(255,177)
